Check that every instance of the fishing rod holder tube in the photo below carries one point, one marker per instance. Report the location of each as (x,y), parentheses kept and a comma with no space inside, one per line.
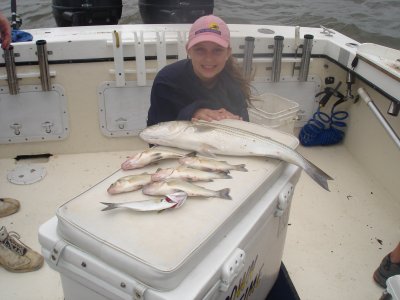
(394,109)
(350,80)
(277,58)
(375,110)
(248,56)
(11,70)
(43,64)
(306,57)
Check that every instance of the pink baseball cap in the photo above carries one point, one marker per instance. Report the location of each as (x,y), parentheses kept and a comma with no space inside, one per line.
(209,29)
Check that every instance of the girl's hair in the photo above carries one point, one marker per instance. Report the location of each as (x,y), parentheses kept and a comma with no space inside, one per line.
(233,69)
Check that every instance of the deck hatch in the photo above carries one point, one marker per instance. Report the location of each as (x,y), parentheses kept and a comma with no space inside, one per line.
(33,115)
(123,110)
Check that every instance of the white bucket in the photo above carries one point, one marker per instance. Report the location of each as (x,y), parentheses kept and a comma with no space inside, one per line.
(274,111)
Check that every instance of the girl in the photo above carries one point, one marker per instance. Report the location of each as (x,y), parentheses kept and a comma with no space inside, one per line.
(206,86)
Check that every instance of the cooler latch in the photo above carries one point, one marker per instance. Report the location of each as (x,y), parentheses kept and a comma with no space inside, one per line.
(57,251)
(284,199)
(231,269)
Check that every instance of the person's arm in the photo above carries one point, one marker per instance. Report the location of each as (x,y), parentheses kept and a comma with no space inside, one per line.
(5,32)
(206,114)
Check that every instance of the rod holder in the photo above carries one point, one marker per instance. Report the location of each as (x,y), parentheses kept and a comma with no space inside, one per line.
(306,57)
(277,58)
(11,70)
(350,80)
(43,61)
(248,56)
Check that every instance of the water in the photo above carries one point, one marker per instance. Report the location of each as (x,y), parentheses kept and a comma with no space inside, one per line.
(373,21)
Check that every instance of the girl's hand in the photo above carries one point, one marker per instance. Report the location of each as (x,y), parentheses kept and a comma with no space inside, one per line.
(206,114)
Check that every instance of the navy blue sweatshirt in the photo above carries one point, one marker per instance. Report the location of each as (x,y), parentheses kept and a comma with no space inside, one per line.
(177,93)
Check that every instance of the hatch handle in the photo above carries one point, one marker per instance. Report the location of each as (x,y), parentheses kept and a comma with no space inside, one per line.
(232,268)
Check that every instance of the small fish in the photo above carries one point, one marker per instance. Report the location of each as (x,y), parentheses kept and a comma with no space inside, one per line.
(219,138)
(175,185)
(188,174)
(174,200)
(209,164)
(150,156)
(129,183)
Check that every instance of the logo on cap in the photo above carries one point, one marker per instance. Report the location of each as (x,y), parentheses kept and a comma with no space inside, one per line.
(212,27)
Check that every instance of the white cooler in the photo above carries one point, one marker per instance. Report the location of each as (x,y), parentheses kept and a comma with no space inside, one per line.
(209,248)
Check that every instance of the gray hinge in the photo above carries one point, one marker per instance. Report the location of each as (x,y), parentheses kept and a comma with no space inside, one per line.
(232,268)
(57,251)
(284,199)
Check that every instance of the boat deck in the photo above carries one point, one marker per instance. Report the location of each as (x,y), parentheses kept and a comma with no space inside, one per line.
(334,243)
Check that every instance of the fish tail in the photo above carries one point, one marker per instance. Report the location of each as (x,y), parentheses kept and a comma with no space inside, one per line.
(224,194)
(241,167)
(109,206)
(318,175)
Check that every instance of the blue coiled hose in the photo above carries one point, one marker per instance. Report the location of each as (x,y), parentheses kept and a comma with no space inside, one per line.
(323,129)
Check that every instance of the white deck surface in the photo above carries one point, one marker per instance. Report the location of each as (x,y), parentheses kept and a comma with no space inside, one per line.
(333,242)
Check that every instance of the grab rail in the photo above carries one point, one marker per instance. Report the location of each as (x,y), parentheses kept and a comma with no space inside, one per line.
(364,95)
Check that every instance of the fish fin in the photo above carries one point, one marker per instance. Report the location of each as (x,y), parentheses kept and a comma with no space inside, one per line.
(223,171)
(109,206)
(224,194)
(207,150)
(241,167)
(318,175)
(191,154)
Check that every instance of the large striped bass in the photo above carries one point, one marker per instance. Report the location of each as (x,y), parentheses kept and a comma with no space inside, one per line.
(215,138)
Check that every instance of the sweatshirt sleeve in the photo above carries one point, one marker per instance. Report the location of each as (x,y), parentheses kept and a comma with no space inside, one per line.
(188,111)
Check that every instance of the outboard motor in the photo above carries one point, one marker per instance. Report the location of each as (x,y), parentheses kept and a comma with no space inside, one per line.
(174,11)
(86,12)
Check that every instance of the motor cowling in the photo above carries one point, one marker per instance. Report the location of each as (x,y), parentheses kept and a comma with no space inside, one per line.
(174,11)
(86,12)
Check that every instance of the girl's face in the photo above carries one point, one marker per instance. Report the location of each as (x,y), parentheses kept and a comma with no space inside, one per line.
(208,60)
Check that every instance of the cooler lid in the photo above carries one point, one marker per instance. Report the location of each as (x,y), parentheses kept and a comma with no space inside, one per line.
(159,249)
